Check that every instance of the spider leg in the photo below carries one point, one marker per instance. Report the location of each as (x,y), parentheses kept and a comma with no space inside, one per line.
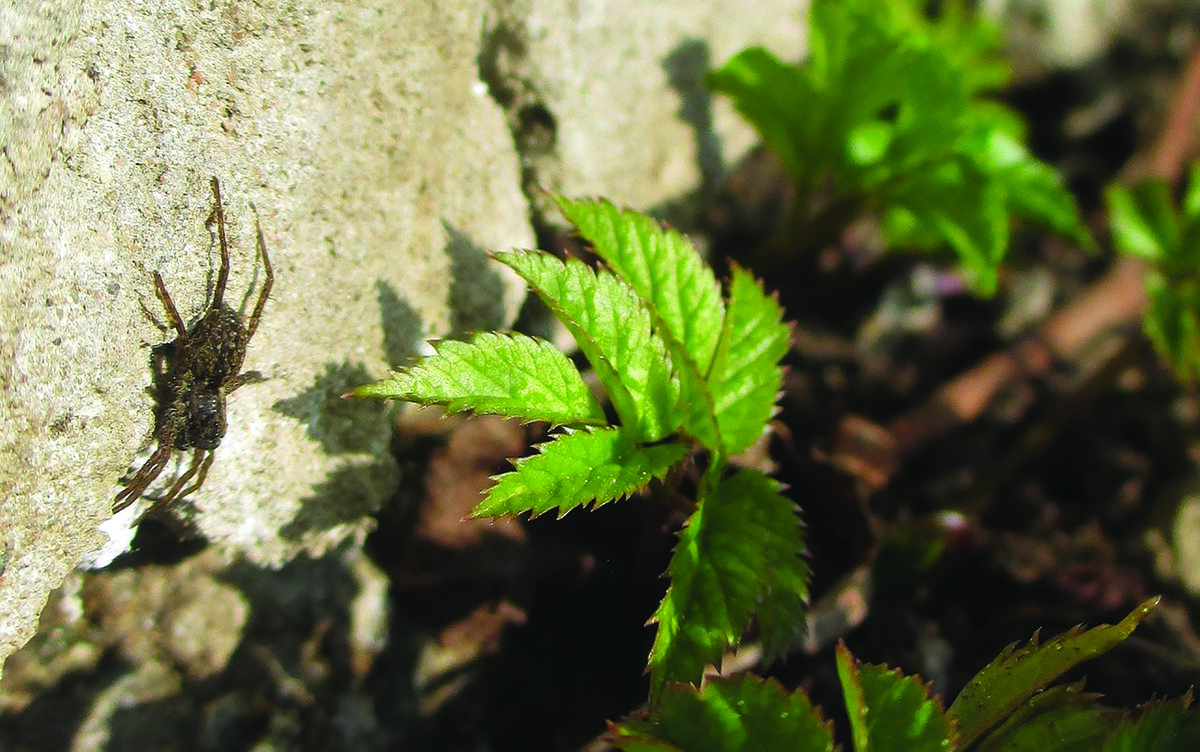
(200,464)
(153,319)
(207,463)
(244,378)
(143,477)
(223,273)
(169,305)
(269,279)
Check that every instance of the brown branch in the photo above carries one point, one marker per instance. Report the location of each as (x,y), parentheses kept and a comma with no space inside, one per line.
(874,453)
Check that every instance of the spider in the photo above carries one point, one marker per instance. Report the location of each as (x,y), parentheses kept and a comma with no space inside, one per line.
(194,373)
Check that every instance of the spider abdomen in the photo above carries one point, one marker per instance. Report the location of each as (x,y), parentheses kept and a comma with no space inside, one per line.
(218,343)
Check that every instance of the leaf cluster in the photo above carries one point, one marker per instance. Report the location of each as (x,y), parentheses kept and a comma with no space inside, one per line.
(1009,705)
(1147,224)
(888,109)
(688,371)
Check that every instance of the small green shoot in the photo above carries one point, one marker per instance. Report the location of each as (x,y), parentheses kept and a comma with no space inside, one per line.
(687,372)
(890,113)
(1146,224)
(1007,706)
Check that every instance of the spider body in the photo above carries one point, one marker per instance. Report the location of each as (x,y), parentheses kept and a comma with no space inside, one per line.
(194,373)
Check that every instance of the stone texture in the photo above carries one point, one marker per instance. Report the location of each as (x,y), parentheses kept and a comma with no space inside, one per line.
(385,145)
(612,101)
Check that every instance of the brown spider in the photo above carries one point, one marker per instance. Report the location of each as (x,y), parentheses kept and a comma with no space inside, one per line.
(193,374)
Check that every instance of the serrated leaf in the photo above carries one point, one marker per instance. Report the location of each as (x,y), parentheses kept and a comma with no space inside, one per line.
(884,106)
(683,297)
(1162,727)
(889,711)
(613,329)
(966,209)
(739,553)
(776,99)
(663,268)
(746,377)
(971,39)
(1142,220)
(1019,672)
(696,401)
(577,468)
(496,374)
(627,736)
(728,715)
(1034,190)
(1060,719)
(895,77)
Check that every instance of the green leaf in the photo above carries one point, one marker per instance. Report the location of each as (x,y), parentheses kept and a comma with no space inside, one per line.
(697,403)
(776,98)
(884,107)
(1016,674)
(1171,322)
(662,267)
(867,143)
(1162,727)
(727,715)
(895,78)
(496,374)
(968,38)
(577,468)
(889,711)
(1034,190)
(966,209)
(1060,719)
(684,297)
(613,329)
(973,41)
(739,553)
(746,377)
(1143,220)
(1191,199)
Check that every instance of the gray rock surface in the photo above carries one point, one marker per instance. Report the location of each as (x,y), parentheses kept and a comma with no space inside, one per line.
(386,146)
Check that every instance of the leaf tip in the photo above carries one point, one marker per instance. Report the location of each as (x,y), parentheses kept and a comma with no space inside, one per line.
(374,390)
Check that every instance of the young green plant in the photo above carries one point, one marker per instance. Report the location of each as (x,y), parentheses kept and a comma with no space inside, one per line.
(887,112)
(688,371)
(1009,705)
(1147,224)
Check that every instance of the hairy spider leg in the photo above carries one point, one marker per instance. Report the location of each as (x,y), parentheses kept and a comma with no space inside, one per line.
(223,273)
(172,313)
(248,377)
(154,466)
(268,279)
(143,477)
(204,466)
(202,459)
(244,378)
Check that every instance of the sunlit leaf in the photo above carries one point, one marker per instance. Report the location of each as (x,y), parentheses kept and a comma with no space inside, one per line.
(613,329)
(890,712)
(578,468)
(741,551)
(500,374)
(1017,673)
(727,715)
